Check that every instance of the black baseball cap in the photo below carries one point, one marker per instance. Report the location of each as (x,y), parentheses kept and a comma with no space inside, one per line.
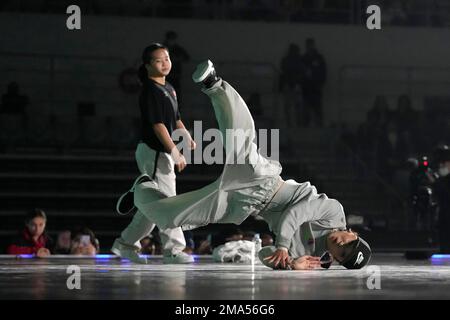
(359,255)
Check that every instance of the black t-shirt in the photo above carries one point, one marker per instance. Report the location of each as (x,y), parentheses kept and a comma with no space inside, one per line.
(158,104)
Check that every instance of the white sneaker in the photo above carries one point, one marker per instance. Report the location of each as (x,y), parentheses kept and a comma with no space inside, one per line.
(205,73)
(179,258)
(127,252)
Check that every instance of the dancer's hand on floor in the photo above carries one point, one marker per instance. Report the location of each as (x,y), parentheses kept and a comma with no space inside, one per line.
(280,256)
(306,263)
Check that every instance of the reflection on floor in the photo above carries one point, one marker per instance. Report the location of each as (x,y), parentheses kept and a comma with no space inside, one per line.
(396,278)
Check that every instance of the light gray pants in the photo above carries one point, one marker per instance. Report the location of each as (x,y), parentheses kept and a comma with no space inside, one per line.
(226,200)
(160,167)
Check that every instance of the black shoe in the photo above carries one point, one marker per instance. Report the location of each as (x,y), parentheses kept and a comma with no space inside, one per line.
(205,73)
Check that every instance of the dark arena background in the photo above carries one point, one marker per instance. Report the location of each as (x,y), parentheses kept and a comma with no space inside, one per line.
(358,89)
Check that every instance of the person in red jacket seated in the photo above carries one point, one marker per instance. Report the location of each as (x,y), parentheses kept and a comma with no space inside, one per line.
(33,239)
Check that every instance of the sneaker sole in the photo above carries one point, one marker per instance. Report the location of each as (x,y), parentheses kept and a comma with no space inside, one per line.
(117,253)
(199,78)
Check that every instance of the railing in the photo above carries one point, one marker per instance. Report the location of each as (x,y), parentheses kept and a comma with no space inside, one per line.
(52,67)
(80,69)
(74,70)
(394,199)
(342,160)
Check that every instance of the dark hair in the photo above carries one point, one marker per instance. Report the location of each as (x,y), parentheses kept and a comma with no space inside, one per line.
(78,231)
(35,213)
(147,57)
(249,234)
(147,53)
(142,73)
(82,230)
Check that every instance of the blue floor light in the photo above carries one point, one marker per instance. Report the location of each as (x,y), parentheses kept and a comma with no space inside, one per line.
(105,256)
(440,256)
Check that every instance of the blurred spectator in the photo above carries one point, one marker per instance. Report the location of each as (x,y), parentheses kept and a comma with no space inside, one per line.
(254,103)
(400,133)
(388,153)
(393,150)
(156,239)
(313,82)
(372,133)
(63,243)
(228,233)
(385,139)
(267,239)
(33,239)
(292,74)
(381,111)
(367,138)
(405,116)
(190,244)
(248,235)
(204,246)
(178,56)
(148,245)
(84,242)
(189,250)
(12,101)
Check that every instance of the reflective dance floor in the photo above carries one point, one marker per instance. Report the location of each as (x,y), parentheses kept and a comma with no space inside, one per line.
(390,276)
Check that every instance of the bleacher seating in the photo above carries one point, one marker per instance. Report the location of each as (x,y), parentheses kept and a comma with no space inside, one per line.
(397,12)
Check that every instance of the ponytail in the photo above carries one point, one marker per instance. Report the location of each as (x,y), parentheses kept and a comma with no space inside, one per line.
(142,74)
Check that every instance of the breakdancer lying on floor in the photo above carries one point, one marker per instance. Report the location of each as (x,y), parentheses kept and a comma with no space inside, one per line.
(307,225)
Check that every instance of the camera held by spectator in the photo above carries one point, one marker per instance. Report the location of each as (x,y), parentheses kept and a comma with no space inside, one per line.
(84,242)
